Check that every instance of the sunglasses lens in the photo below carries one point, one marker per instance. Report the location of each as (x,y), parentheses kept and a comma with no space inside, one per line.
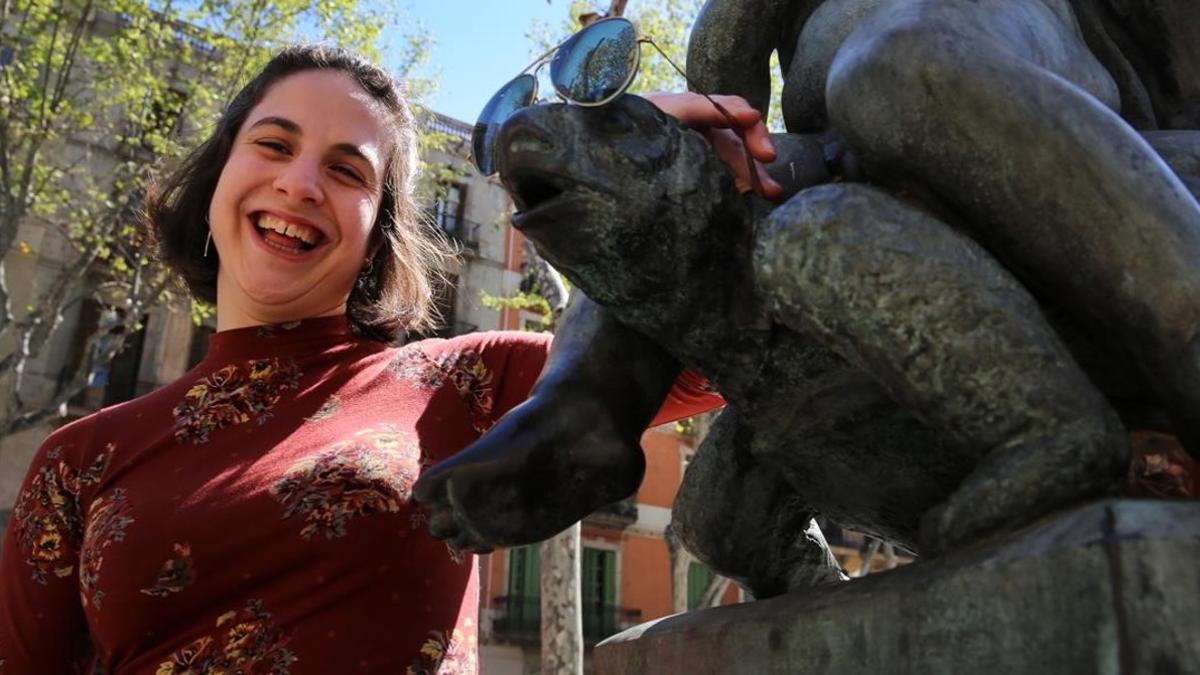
(512,97)
(597,63)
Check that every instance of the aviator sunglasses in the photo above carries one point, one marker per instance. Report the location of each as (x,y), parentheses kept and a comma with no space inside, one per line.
(591,68)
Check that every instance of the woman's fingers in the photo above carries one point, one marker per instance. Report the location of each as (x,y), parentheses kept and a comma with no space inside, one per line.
(730,149)
(715,117)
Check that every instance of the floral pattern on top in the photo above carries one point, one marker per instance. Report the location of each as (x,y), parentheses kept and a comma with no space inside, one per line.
(446,653)
(47,514)
(234,394)
(464,369)
(331,407)
(106,524)
(249,644)
(371,472)
(177,573)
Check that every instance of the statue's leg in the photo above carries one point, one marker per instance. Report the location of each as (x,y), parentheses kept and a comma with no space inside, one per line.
(743,520)
(952,336)
(1180,149)
(998,107)
(569,449)
(729,50)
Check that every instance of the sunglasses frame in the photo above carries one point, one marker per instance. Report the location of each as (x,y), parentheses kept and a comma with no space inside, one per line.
(540,61)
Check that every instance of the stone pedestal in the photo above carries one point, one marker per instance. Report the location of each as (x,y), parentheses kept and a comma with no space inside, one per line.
(1112,587)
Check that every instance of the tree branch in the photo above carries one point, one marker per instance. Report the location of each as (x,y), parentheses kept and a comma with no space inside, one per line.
(64,73)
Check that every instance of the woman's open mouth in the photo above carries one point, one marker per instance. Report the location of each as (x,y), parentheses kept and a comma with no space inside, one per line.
(289,238)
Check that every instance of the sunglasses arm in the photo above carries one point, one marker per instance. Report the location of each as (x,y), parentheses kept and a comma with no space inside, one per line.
(751,166)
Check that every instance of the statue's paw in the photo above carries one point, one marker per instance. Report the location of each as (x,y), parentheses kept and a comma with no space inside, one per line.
(950,525)
(478,507)
(526,480)
(446,522)
(930,537)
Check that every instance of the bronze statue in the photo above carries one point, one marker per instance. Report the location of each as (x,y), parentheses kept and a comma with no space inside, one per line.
(983,270)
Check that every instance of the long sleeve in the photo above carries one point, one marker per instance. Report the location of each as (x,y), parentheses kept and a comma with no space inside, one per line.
(42,626)
(502,367)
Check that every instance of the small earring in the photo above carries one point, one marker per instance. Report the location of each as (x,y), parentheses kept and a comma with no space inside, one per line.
(207,243)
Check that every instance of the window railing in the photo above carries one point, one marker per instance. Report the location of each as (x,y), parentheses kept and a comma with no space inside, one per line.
(617,515)
(461,230)
(517,617)
(520,617)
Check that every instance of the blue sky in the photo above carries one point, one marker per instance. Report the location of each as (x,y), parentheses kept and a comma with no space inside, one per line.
(481,44)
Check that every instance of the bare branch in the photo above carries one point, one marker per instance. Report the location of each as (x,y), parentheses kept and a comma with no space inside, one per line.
(42,115)
(6,315)
(64,73)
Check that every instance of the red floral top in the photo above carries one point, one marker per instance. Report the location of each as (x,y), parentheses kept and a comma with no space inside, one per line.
(254,516)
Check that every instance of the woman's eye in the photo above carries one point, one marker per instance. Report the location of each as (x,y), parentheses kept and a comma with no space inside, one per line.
(272,145)
(348,172)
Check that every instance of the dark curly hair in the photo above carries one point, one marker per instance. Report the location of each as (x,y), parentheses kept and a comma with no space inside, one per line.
(394,293)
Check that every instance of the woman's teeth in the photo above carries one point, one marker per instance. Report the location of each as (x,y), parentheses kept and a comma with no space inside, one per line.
(287,237)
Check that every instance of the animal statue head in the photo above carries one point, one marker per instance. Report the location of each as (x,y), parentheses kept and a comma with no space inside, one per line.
(621,199)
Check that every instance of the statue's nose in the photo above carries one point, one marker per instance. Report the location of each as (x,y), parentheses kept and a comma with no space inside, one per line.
(525,135)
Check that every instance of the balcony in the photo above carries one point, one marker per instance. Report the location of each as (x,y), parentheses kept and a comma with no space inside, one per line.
(615,516)
(460,230)
(518,619)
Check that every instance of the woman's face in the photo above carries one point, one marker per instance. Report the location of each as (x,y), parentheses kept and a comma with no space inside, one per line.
(292,213)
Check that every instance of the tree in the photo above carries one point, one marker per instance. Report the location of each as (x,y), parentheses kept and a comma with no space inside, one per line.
(561,616)
(668,23)
(98,96)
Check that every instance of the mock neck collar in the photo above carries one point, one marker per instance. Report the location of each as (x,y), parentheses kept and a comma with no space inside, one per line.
(295,338)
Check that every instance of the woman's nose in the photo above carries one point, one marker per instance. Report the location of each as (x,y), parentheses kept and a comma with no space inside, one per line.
(301,182)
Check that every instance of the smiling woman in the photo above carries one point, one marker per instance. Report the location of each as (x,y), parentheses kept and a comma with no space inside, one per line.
(256,515)
(337,198)
(293,211)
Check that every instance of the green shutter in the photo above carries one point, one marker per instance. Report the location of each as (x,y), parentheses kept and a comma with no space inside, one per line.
(599,591)
(698,579)
(524,588)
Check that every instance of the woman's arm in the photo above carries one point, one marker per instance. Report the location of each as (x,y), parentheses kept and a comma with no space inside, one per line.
(42,626)
(572,446)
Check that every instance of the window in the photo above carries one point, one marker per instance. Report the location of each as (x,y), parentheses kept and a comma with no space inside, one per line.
(123,375)
(160,118)
(524,589)
(447,210)
(599,591)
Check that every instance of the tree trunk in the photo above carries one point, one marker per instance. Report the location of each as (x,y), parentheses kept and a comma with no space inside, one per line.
(680,559)
(562,618)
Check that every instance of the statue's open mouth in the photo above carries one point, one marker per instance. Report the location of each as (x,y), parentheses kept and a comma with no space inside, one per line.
(530,189)
(536,194)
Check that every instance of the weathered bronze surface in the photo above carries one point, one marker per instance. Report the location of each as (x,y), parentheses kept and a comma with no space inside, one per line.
(988,269)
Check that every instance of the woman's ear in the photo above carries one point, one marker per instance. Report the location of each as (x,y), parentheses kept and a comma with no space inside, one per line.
(375,242)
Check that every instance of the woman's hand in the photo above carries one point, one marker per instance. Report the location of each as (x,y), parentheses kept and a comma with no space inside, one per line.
(697,112)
